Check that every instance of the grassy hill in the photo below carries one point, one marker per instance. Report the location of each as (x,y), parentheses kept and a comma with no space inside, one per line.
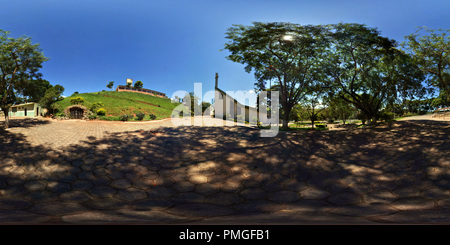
(119,103)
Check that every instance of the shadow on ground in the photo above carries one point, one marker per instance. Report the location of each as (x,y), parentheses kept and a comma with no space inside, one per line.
(23,122)
(192,173)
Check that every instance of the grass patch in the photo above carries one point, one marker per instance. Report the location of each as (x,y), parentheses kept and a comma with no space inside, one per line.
(120,103)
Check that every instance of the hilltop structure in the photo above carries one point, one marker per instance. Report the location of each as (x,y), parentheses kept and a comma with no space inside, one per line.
(129,88)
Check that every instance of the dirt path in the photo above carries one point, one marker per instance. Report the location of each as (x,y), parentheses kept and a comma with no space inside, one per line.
(427,117)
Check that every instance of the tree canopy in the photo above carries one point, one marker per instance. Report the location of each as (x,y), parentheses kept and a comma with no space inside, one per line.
(367,70)
(110,85)
(53,94)
(20,61)
(139,84)
(350,61)
(432,54)
(290,54)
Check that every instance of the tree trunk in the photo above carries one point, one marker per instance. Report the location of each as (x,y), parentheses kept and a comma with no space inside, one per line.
(286,120)
(6,118)
(286,113)
(373,121)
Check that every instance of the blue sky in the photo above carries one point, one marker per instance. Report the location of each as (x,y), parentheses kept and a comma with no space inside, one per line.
(171,44)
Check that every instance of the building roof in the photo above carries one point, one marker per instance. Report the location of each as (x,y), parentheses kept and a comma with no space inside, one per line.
(140,89)
(29,103)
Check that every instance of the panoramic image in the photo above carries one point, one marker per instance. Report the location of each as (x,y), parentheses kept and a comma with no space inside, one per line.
(224,113)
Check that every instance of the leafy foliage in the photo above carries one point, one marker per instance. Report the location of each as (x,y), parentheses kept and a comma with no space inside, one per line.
(20,61)
(77,101)
(101,112)
(52,95)
(288,53)
(138,84)
(367,70)
(110,85)
(140,116)
(96,105)
(432,54)
(125,117)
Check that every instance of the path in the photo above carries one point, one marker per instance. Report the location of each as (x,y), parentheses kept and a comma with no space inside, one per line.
(113,172)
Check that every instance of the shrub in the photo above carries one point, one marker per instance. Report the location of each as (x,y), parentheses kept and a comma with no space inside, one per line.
(152,117)
(96,106)
(77,101)
(140,116)
(60,114)
(321,126)
(124,117)
(386,116)
(101,112)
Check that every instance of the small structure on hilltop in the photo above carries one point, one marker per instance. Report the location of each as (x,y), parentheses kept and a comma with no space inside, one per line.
(129,88)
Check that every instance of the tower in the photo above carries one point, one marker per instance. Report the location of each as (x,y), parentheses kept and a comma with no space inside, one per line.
(130,81)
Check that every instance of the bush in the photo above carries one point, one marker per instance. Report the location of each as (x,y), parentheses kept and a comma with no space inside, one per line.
(101,112)
(125,117)
(140,116)
(386,116)
(77,101)
(152,117)
(96,106)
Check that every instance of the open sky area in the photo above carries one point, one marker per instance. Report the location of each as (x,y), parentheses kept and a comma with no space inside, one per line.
(171,44)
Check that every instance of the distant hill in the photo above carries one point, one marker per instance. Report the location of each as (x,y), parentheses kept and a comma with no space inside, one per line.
(119,103)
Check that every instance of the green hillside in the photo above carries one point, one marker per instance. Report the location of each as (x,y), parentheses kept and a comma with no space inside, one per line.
(119,103)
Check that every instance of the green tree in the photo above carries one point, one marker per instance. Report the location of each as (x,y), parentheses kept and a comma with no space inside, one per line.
(139,84)
(367,70)
(20,61)
(440,101)
(110,85)
(195,106)
(205,106)
(289,54)
(312,107)
(432,54)
(36,90)
(52,95)
(339,108)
